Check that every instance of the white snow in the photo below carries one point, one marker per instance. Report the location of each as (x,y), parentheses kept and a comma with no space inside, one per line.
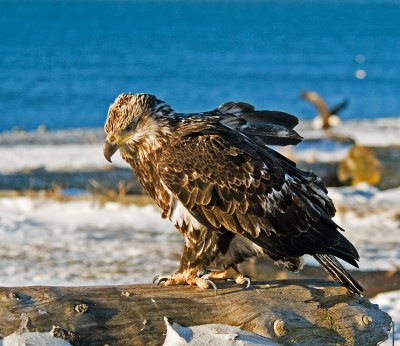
(212,334)
(310,152)
(26,157)
(371,219)
(318,147)
(83,149)
(33,338)
(81,243)
(23,337)
(380,131)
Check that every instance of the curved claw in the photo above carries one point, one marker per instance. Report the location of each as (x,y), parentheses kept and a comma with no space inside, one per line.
(248,280)
(202,273)
(158,279)
(211,283)
(205,274)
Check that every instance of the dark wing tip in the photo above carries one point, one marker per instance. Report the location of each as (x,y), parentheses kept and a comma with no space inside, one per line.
(235,108)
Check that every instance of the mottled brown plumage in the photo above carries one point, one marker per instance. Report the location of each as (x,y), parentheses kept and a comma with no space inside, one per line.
(230,195)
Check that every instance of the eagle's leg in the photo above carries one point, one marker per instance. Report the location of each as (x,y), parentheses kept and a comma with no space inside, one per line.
(190,264)
(230,273)
(187,276)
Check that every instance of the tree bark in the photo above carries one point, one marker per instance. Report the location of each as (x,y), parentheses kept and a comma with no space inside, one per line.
(307,312)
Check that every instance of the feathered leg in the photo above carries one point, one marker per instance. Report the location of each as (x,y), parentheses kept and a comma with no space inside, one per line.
(193,260)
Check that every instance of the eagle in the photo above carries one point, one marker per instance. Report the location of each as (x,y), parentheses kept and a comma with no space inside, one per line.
(230,195)
(327,117)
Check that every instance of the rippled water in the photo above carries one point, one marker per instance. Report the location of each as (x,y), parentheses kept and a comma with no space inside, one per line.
(63,62)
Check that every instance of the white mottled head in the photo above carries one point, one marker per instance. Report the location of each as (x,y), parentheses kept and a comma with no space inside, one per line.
(136,119)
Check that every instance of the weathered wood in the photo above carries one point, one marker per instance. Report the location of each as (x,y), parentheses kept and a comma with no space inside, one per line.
(309,312)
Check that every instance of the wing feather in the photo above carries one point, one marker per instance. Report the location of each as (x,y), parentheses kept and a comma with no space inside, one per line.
(251,191)
(272,127)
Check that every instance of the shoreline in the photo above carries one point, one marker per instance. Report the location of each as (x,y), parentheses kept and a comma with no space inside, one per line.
(358,129)
(73,158)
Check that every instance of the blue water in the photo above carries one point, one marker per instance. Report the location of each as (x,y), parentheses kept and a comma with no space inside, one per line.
(63,62)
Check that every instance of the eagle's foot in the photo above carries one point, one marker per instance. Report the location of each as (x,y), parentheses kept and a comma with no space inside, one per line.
(185,278)
(229,274)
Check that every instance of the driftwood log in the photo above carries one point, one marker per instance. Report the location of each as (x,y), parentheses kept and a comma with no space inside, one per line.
(309,312)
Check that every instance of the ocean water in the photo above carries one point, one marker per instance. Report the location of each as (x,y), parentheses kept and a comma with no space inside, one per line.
(62,62)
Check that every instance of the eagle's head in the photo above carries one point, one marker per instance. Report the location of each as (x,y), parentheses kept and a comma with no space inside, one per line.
(134,119)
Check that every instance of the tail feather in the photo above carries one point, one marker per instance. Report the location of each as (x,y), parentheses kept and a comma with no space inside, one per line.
(333,267)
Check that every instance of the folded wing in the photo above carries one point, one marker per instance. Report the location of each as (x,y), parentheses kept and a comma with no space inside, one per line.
(272,127)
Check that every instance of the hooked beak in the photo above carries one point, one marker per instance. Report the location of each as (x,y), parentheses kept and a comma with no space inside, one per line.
(109,149)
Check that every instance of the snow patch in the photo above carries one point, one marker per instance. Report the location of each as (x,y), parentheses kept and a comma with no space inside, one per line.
(81,243)
(379,132)
(23,336)
(33,338)
(27,157)
(83,149)
(74,243)
(212,334)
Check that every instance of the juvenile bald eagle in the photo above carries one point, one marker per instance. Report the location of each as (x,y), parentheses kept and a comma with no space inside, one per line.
(230,196)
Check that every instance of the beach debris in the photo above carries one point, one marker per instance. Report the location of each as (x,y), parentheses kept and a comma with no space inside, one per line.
(360,165)
(212,334)
(81,308)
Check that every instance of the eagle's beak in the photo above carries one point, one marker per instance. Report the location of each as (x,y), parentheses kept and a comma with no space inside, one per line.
(109,149)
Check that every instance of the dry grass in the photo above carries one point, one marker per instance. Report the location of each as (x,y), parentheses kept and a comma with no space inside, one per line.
(396,217)
(98,193)
(55,193)
(103,194)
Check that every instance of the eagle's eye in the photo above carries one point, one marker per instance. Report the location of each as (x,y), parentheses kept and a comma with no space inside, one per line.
(129,128)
